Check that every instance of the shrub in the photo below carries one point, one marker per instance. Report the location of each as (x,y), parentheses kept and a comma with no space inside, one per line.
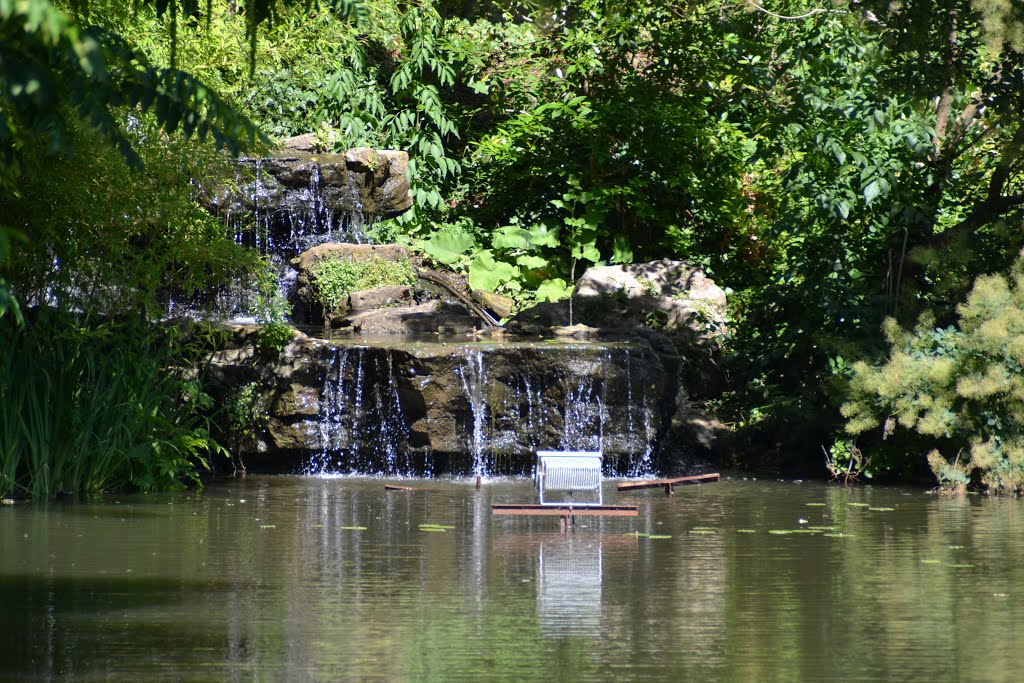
(334,279)
(960,387)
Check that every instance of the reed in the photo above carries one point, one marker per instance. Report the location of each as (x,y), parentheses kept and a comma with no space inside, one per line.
(93,410)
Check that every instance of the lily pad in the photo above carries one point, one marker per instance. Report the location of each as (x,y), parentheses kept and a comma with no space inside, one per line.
(353,528)
(746,531)
(858,505)
(882,509)
(815,505)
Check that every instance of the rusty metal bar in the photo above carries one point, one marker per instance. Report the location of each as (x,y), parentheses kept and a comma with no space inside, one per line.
(565,510)
(668,484)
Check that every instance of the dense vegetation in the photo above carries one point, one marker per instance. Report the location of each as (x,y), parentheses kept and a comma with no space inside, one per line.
(834,164)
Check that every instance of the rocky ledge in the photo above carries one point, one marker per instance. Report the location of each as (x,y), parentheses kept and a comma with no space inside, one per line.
(417,382)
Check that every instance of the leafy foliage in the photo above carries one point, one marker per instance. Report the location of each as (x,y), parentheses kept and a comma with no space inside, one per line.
(960,387)
(89,408)
(56,71)
(335,278)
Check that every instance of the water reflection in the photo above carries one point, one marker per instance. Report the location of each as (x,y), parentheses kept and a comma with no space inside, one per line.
(297,579)
(569,586)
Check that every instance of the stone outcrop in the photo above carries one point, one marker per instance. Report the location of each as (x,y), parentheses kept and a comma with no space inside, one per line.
(390,310)
(422,408)
(664,294)
(291,182)
(415,389)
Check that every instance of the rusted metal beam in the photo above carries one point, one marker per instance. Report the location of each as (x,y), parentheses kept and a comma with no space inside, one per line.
(396,487)
(669,484)
(566,510)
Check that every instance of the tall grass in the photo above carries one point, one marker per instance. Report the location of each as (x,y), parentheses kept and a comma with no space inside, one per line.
(86,410)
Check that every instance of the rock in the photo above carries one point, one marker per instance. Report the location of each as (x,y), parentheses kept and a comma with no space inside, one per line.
(658,279)
(661,294)
(296,182)
(501,306)
(582,332)
(300,143)
(351,252)
(365,160)
(381,297)
(436,407)
(432,317)
(297,400)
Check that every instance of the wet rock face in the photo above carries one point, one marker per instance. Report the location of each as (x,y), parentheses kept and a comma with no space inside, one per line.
(431,408)
(293,182)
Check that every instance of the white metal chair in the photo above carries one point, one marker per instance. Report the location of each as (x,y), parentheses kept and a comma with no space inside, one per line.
(569,473)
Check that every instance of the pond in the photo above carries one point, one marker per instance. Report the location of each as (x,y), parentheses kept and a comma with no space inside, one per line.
(301,578)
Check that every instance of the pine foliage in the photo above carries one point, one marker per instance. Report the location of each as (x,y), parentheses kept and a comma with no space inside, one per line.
(959,387)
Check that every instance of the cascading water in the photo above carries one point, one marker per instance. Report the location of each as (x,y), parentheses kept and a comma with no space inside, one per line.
(279,221)
(474,383)
(566,407)
(361,427)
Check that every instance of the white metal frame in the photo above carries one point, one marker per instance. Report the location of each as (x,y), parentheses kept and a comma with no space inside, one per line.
(569,472)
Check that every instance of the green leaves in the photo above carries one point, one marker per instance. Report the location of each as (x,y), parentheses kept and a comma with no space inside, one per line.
(486,273)
(448,247)
(54,67)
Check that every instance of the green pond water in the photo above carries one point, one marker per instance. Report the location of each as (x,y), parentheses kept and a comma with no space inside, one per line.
(282,578)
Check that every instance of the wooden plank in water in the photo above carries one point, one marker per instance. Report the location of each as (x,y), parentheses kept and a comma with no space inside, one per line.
(565,510)
(668,484)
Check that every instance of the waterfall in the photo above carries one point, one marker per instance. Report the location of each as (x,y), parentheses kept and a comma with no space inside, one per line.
(474,384)
(279,221)
(361,427)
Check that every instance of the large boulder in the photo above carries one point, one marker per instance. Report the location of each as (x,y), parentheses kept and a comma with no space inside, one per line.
(302,297)
(665,294)
(431,317)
